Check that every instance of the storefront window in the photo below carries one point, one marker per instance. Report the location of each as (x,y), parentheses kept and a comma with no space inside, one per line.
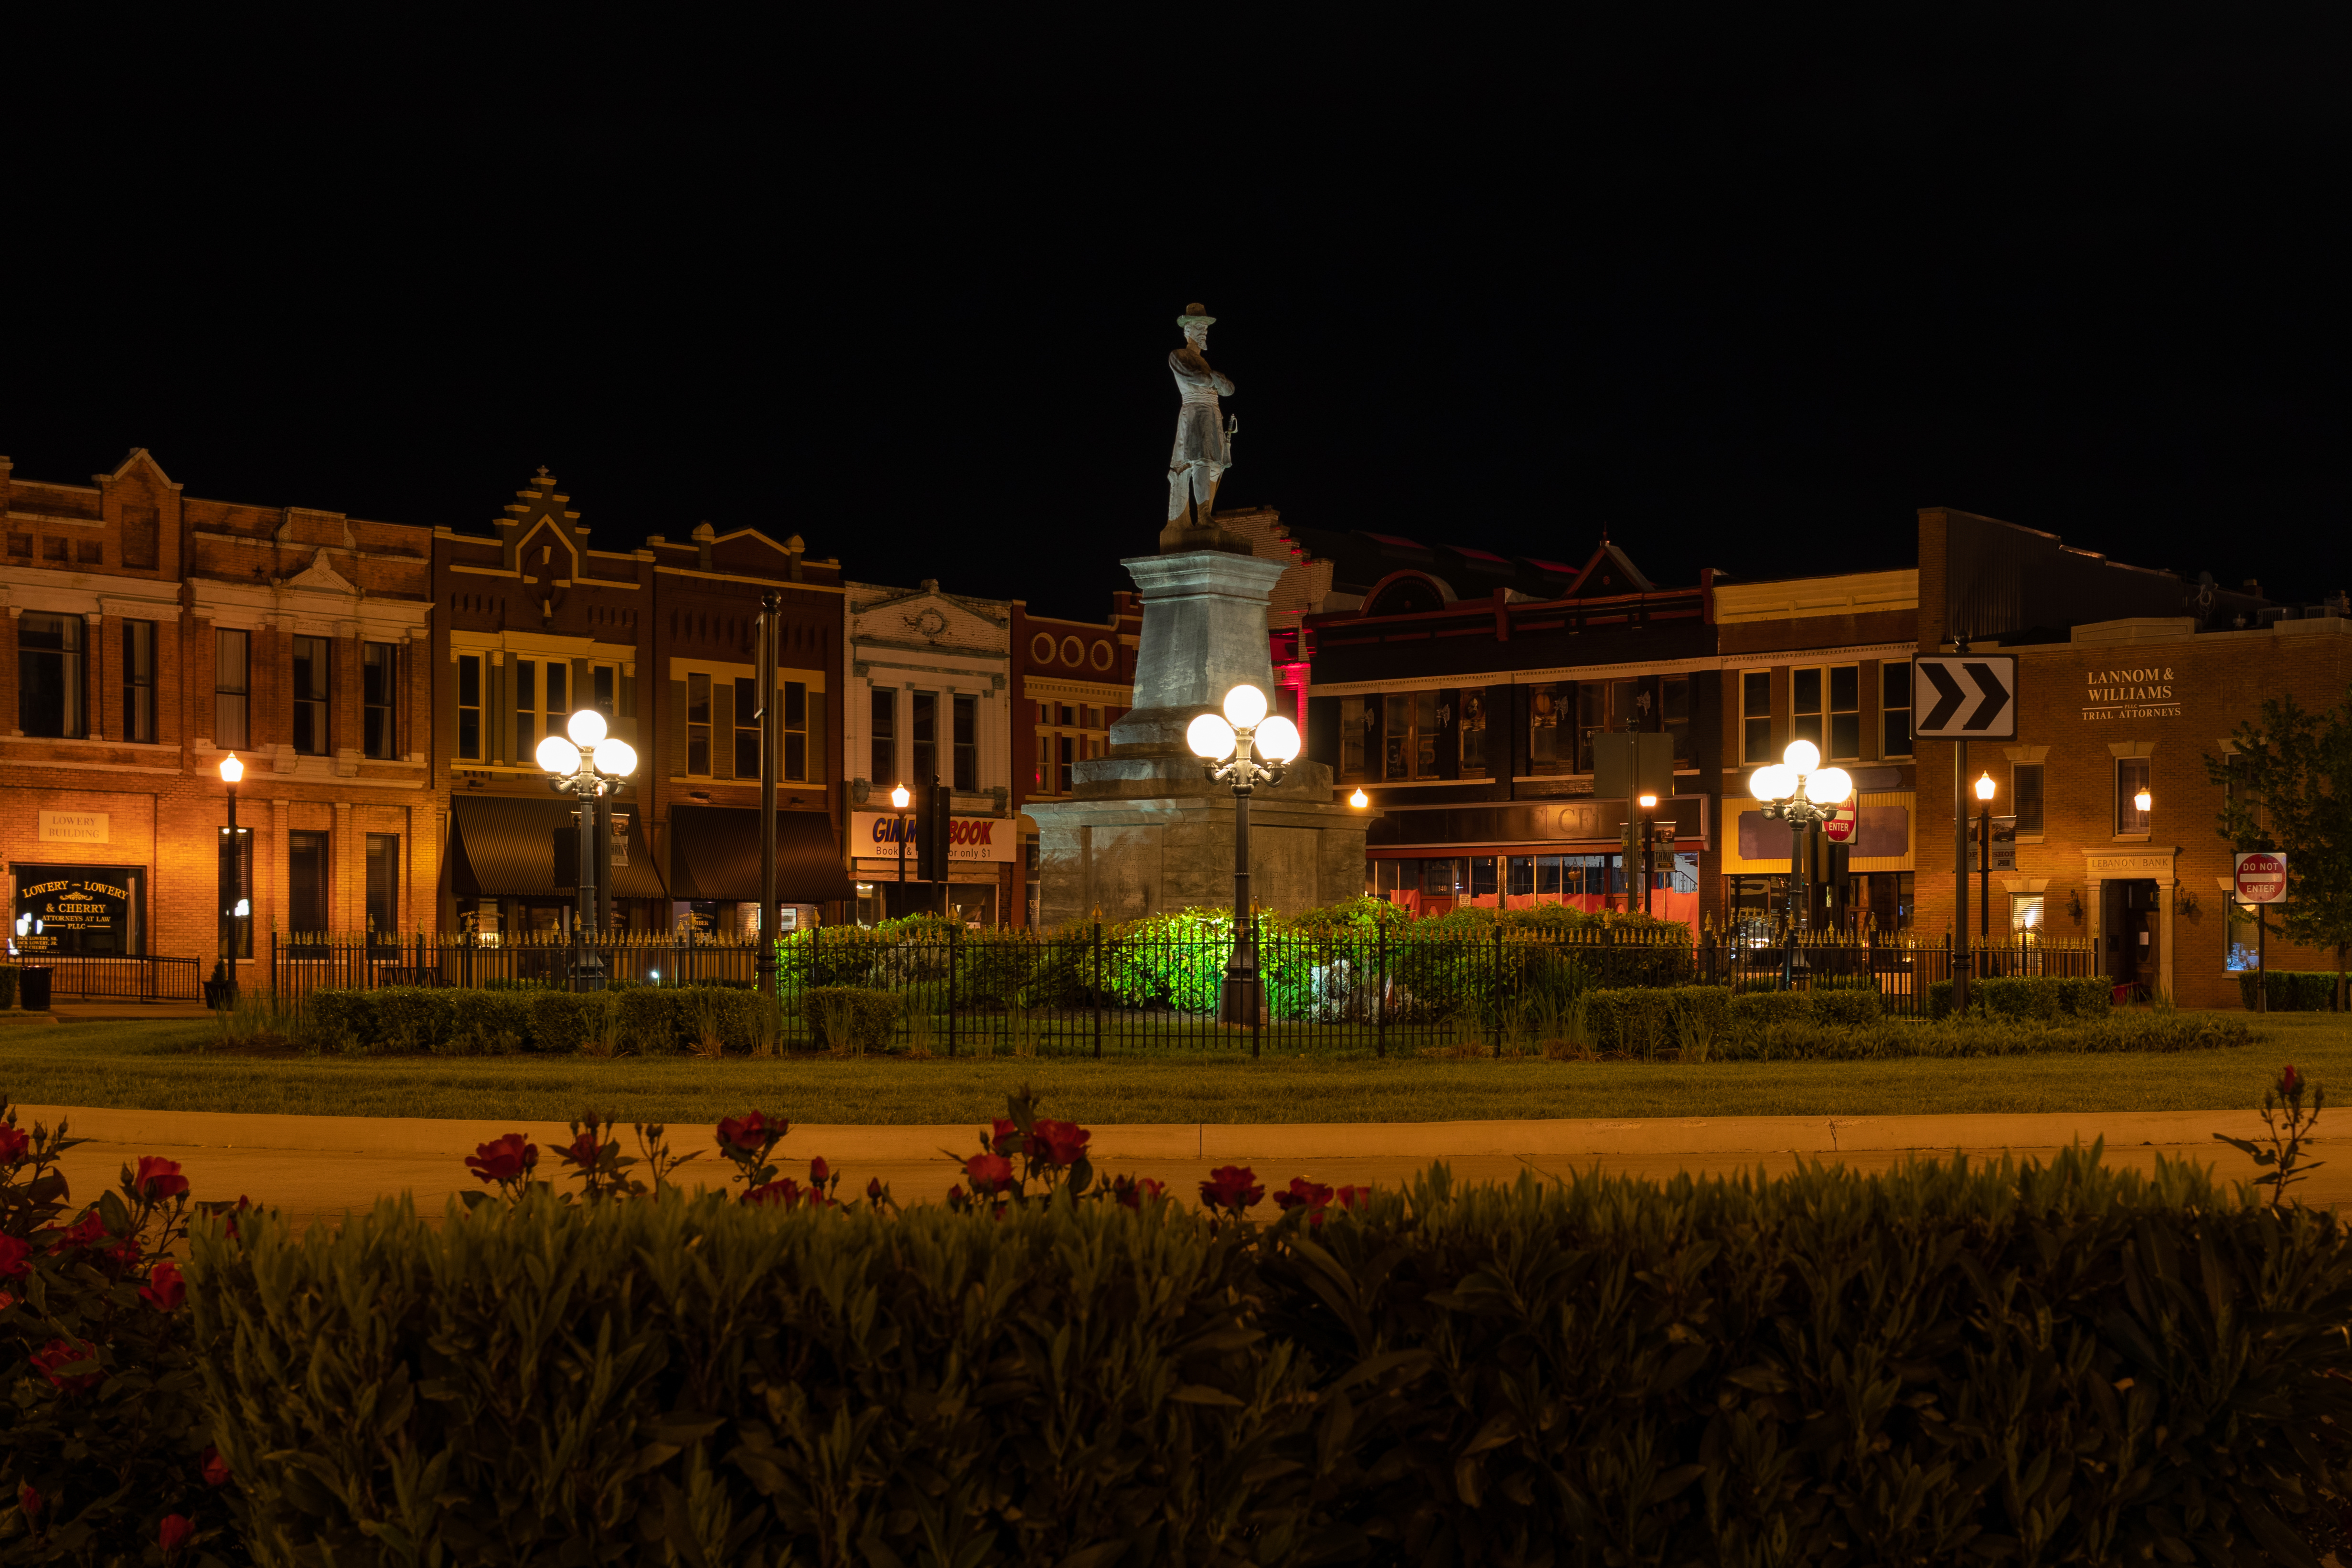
(311,685)
(2025,786)
(469,706)
(882,728)
(232,668)
(2131,781)
(1895,707)
(1805,708)
(139,680)
(1845,713)
(49,676)
(1546,752)
(380,700)
(698,725)
(1756,716)
(967,743)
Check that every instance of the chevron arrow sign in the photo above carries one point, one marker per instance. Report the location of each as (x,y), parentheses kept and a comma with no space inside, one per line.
(1964,696)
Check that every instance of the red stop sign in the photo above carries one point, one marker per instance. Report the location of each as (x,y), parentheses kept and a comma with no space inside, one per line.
(2261,877)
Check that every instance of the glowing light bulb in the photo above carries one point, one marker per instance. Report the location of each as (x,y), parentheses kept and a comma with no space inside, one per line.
(618,758)
(2142,802)
(1649,802)
(1209,737)
(1830,787)
(1244,706)
(898,797)
(1360,799)
(586,727)
(557,754)
(231,770)
(1277,738)
(1772,783)
(1802,756)
(1984,787)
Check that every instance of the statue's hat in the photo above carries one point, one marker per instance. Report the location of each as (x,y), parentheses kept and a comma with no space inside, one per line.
(1196,315)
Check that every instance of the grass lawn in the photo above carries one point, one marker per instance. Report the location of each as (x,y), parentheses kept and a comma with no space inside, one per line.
(164,1065)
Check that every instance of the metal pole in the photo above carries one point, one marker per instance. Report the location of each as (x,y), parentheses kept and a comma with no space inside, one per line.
(1959,878)
(771,741)
(1240,997)
(1984,876)
(2261,970)
(588,970)
(902,862)
(1649,854)
(235,891)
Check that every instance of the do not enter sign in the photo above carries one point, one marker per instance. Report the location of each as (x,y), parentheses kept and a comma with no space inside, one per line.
(1839,827)
(2261,877)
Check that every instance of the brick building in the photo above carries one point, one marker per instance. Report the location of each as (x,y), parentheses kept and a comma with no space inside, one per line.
(660,637)
(1071,681)
(930,699)
(1463,692)
(152,633)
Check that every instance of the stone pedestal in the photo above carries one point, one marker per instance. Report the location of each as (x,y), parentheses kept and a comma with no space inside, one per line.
(1145,829)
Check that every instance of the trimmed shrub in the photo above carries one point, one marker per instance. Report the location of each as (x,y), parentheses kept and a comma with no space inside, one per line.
(2290,991)
(2039,996)
(666,1020)
(1753,1010)
(342,1022)
(1805,1040)
(862,1018)
(486,1023)
(7,986)
(413,1017)
(1441,1376)
(560,1020)
(1844,1005)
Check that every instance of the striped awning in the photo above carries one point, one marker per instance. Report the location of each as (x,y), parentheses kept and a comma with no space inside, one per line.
(529,848)
(714,854)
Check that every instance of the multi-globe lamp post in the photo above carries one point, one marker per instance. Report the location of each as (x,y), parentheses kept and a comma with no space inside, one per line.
(1245,748)
(590,765)
(1800,791)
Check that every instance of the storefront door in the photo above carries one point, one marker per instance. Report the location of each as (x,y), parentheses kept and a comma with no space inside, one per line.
(2134,924)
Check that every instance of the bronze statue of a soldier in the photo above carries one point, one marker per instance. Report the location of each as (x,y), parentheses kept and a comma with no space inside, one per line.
(1204,439)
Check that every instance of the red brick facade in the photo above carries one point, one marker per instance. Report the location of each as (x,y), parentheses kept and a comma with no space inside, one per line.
(122,774)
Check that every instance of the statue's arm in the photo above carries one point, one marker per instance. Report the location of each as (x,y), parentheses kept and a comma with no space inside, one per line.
(1224,387)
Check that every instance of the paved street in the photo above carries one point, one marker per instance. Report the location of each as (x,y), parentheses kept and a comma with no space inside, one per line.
(322,1166)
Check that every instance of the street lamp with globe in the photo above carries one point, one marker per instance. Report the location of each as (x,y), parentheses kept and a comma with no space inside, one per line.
(234,902)
(590,765)
(1801,793)
(1244,748)
(898,799)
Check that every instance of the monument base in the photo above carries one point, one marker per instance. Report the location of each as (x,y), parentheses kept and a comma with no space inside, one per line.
(1121,858)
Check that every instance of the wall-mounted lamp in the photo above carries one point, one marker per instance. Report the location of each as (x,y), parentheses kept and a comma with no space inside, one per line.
(2075,905)
(1360,799)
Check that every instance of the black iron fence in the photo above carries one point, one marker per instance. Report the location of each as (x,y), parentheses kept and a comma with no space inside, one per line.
(1093,990)
(130,978)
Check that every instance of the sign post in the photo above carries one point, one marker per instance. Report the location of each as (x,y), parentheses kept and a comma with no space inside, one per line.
(1961,697)
(2259,877)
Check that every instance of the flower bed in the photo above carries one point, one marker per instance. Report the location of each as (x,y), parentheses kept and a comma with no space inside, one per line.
(1943,1363)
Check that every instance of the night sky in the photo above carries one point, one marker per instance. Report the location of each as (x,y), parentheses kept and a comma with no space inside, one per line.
(1744,302)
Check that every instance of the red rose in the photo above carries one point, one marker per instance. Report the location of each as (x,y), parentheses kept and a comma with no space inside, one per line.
(2288,1081)
(750,1132)
(1354,1196)
(13,1142)
(1314,1194)
(1065,1141)
(783,1193)
(13,1254)
(818,1171)
(29,1501)
(1132,1191)
(1231,1186)
(216,1468)
(987,1172)
(175,1532)
(583,1150)
(159,1179)
(59,1354)
(8,1300)
(84,1231)
(164,1289)
(1003,1136)
(875,1191)
(503,1159)
(124,1254)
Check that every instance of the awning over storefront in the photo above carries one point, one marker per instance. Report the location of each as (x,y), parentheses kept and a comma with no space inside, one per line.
(529,848)
(714,854)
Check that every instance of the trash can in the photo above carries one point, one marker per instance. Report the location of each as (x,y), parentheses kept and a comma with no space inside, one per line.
(33,987)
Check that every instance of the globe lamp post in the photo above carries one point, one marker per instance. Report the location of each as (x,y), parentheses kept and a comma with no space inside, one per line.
(1649,804)
(1244,748)
(591,767)
(1984,859)
(234,900)
(1801,793)
(898,799)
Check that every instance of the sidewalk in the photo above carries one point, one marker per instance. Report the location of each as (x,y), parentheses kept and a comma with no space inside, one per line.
(322,1166)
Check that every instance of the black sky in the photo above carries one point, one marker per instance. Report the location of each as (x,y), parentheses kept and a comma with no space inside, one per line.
(1744,301)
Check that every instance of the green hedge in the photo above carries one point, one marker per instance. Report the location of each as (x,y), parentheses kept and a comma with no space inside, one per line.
(849,1017)
(1946,1364)
(1712,1021)
(2290,991)
(452,1022)
(2043,997)
(7,986)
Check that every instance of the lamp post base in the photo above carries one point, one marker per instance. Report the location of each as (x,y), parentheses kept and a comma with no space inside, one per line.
(588,971)
(1240,1000)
